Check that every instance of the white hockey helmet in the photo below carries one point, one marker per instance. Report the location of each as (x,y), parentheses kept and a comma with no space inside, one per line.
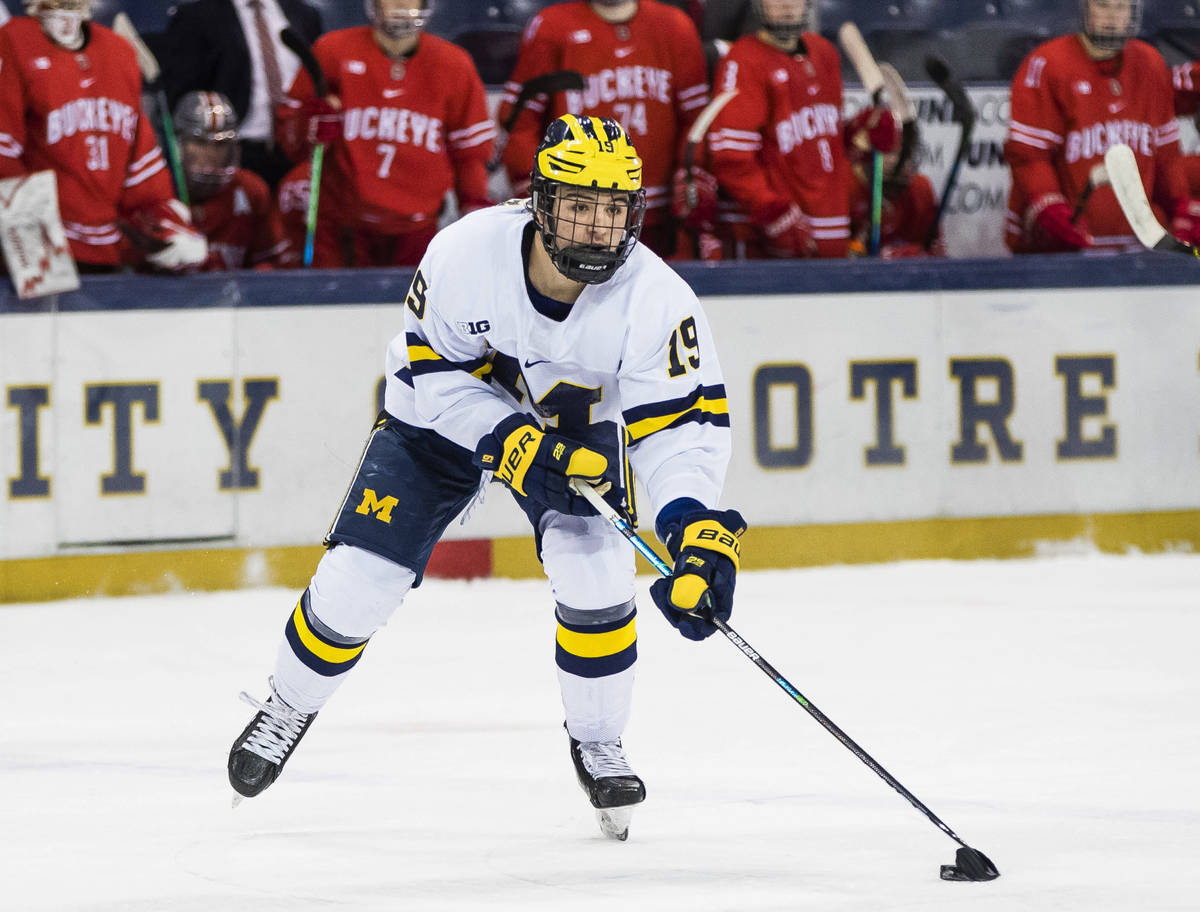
(62,20)
(397,19)
(207,129)
(785,20)
(1108,24)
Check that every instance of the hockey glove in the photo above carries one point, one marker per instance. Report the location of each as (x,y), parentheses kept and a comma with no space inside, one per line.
(707,551)
(787,231)
(1185,224)
(694,202)
(164,235)
(1053,224)
(320,120)
(539,466)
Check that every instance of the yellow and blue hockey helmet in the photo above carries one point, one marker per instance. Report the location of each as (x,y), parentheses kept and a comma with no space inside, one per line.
(588,241)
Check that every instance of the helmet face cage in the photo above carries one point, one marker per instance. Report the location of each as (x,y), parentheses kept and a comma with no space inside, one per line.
(588,232)
(1106,24)
(206,126)
(789,26)
(399,23)
(62,20)
(587,198)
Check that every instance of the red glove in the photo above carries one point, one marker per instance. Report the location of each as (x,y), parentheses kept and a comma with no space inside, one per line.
(1185,224)
(1052,224)
(694,203)
(322,120)
(788,231)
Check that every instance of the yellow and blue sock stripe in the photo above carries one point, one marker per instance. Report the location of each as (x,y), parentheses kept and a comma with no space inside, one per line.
(596,647)
(319,648)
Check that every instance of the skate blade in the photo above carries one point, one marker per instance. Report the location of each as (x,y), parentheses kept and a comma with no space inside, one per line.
(614,822)
(237,799)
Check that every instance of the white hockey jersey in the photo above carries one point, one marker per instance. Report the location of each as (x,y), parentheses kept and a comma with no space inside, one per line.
(631,370)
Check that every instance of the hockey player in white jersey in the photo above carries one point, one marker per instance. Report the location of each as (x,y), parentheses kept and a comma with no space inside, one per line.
(543,344)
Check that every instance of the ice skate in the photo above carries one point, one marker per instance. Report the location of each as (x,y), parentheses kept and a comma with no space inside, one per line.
(260,751)
(611,785)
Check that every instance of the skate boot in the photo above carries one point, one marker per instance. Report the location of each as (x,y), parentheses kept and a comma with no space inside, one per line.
(612,787)
(260,751)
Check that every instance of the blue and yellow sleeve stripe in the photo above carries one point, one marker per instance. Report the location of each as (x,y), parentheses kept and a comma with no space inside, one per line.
(422,360)
(316,646)
(596,650)
(703,405)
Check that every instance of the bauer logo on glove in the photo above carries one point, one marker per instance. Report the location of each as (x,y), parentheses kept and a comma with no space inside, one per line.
(707,550)
(540,466)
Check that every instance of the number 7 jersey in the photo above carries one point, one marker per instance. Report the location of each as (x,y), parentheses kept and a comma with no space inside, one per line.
(631,368)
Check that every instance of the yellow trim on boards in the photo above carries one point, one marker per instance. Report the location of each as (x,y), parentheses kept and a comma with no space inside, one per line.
(777,547)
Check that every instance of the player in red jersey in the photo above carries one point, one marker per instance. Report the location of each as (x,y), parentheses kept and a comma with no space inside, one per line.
(642,65)
(231,206)
(909,204)
(1072,98)
(1187,104)
(406,121)
(776,147)
(70,102)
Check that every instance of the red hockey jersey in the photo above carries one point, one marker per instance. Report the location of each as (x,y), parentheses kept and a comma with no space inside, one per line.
(648,74)
(412,130)
(1067,110)
(243,228)
(779,139)
(79,114)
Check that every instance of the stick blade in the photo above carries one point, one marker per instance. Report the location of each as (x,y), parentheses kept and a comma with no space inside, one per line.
(863,61)
(970,865)
(147,62)
(1126,182)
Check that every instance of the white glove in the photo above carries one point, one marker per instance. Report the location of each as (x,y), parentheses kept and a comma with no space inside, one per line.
(185,246)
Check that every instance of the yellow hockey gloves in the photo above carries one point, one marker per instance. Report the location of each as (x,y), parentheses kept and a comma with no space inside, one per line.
(706,546)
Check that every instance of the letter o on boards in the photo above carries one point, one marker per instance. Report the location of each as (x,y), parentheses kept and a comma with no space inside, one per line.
(779,382)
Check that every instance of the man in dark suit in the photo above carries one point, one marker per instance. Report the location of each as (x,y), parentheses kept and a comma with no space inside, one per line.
(233,47)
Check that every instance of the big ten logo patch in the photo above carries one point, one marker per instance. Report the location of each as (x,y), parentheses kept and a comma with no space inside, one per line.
(372,504)
(474,327)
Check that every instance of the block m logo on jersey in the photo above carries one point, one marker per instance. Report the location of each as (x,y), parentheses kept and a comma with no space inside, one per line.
(372,504)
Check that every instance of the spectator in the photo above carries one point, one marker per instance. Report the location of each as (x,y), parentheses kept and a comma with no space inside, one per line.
(231,206)
(1072,98)
(70,102)
(233,47)
(909,206)
(405,123)
(642,65)
(776,147)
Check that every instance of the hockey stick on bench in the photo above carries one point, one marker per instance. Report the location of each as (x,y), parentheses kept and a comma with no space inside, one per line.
(855,48)
(1126,182)
(962,114)
(970,864)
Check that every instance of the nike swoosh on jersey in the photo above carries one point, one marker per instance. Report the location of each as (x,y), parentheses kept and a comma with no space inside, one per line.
(529,363)
(87,83)
(392,93)
(623,52)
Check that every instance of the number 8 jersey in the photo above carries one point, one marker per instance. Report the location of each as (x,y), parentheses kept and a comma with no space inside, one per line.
(632,363)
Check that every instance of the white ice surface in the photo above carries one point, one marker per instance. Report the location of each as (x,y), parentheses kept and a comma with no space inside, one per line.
(1045,709)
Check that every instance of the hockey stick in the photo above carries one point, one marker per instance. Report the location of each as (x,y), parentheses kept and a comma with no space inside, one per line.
(545,84)
(854,47)
(1127,184)
(970,864)
(293,42)
(695,138)
(151,75)
(1097,177)
(964,115)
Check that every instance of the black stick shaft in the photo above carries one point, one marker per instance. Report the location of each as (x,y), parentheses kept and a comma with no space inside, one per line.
(828,724)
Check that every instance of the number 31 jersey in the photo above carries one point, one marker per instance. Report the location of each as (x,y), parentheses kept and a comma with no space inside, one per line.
(632,363)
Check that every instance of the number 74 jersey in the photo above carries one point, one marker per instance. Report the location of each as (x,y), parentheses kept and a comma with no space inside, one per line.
(631,369)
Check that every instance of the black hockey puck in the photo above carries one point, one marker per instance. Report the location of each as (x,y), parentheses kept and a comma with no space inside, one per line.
(970,865)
